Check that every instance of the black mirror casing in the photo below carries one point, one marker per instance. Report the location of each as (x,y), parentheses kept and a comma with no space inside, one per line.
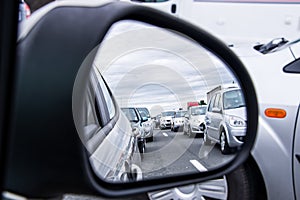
(45,156)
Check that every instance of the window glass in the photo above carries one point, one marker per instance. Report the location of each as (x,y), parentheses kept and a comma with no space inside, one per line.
(198,110)
(168,113)
(107,95)
(211,103)
(130,114)
(216,103)
(233,99)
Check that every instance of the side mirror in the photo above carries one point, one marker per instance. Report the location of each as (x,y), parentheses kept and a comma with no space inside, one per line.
(116,54)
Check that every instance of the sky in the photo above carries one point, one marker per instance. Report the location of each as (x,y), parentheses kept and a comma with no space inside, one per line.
(145,66)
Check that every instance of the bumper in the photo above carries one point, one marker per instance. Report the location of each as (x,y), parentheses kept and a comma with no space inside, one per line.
(236,135)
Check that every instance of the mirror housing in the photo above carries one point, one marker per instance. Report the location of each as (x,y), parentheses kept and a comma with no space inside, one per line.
(32,154)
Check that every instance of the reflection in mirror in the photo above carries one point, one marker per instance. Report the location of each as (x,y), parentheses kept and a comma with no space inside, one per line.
(159,104)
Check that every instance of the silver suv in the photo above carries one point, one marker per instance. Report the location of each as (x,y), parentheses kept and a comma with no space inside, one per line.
(226,119)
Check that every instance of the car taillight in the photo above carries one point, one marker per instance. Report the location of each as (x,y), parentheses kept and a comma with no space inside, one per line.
(27,10)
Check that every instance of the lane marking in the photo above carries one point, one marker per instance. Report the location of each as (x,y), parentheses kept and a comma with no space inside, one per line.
(198,165)
(165,134)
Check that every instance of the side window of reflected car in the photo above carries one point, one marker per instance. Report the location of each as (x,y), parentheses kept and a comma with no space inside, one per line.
(217,101)
(104,104)
(211,103)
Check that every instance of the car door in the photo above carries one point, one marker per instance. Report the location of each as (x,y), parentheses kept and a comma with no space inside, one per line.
(209,115)
(44,156)
(296,158)
(216,116)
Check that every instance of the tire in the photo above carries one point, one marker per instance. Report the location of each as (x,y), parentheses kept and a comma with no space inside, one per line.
(189,133)
(244,183)
(206,140)
(184,132)
(150,139)
(225,149)
(142,147)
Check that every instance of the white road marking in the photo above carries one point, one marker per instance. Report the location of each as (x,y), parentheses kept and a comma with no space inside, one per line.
(165,134)
(198,165)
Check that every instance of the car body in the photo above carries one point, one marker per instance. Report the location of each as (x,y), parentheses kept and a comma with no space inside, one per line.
(147,124)
(226,119)
(275,74)
(156,120)
(166,119)
(276,149)
(136,121)
(178,121)
(194,123)
(243,26)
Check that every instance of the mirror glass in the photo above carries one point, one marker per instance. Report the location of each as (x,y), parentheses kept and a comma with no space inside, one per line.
(158,104)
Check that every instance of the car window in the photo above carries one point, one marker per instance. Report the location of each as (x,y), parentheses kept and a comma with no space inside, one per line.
(217,101)
(144,111)
(180,114)
(211,103)
(198,110)
(165,114)
(107,95)
(130,114)
(233,99)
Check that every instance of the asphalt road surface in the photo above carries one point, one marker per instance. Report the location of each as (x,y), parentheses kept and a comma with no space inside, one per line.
(175,153)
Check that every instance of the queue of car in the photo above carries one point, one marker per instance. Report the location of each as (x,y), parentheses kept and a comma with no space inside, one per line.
(279,128)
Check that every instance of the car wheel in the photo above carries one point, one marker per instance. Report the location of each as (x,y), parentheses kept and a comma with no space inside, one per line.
(141,146)
(184,131)
(239,184)
(206,139)
(190,134)
(225,149)
(150,139)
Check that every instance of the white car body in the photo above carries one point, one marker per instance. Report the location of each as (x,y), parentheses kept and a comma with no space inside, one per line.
(277,142)
(242,24)
(166,119)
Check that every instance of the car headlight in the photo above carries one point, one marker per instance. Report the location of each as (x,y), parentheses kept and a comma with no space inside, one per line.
(236,121)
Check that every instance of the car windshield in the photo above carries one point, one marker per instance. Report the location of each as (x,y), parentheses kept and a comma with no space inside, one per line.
(144,112)
(233,99)
(198,110)
(170,113)
(130,114)
(180,114)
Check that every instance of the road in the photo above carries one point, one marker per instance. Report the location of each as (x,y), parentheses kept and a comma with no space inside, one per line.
(175,153)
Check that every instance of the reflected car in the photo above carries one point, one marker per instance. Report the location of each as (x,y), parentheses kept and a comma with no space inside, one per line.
(178,121)
(166,119)
(136,121)
(156,120)
(147,123)
(226,119)
(194,123)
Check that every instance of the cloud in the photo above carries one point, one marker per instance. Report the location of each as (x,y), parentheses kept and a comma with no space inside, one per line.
(148,66)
